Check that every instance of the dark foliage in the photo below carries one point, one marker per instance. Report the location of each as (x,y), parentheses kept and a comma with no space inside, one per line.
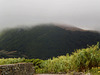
(45,41)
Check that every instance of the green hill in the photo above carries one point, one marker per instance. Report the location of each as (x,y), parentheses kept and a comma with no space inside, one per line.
(45,41)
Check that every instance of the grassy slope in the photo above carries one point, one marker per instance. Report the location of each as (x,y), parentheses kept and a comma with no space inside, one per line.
(45,41)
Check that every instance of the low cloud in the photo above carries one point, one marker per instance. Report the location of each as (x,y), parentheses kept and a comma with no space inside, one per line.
(80,13)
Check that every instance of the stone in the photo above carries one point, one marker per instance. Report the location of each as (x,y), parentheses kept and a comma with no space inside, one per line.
(17,69)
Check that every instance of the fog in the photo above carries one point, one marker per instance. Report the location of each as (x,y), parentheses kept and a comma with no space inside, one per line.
(80,13)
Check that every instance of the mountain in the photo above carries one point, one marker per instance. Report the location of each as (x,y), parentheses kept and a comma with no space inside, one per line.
(69,27)
(45,41)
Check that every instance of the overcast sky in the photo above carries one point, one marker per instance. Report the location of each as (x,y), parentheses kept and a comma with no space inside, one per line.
(81,13)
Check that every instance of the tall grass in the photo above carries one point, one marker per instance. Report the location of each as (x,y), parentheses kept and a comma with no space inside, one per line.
(80,60)
(11,60)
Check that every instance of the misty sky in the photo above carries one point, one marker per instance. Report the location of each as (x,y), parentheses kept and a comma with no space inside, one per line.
(81,13)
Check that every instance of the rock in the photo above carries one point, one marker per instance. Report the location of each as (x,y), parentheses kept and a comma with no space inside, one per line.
(17,69)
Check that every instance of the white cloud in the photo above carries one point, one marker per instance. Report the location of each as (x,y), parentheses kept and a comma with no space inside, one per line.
(82,13)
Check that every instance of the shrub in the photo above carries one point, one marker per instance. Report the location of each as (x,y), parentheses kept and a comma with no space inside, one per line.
(80,60)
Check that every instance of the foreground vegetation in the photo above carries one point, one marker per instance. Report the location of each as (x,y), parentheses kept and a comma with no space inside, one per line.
(82,60)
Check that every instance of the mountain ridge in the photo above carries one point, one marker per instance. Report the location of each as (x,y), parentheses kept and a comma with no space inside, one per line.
(69,27)
(45,41)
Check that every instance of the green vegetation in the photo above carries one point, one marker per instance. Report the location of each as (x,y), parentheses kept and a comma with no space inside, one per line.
(44,41)
(36,62)
(82,60)
(11,60)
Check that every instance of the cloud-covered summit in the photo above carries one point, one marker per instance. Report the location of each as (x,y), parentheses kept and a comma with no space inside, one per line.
(81,13)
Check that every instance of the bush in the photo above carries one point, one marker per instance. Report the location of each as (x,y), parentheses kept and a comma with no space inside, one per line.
(80,60)
(85,59)
(36,62)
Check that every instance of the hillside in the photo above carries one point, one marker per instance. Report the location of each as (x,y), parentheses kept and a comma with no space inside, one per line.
(69,27)
(45,41)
